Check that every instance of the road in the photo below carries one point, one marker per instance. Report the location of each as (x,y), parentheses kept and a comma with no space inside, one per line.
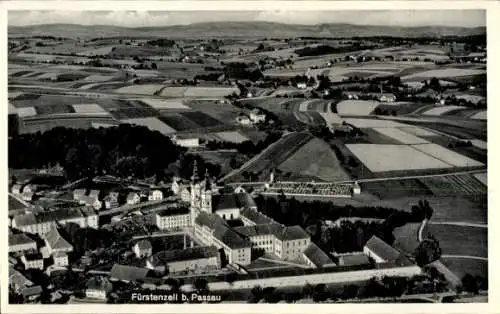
(459,223)
(465,257)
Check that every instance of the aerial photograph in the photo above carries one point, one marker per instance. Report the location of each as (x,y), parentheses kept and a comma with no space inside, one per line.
(160,157)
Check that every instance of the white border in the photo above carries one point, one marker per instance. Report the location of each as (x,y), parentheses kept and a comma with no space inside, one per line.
(493,16)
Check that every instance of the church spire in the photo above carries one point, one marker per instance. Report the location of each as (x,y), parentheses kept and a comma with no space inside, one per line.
(194,177)
(208,184)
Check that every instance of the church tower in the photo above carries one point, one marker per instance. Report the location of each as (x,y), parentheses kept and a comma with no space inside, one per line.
(206,194)
(195,196)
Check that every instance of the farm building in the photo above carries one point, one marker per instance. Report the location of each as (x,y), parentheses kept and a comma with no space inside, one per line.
(186,141)
(382,252)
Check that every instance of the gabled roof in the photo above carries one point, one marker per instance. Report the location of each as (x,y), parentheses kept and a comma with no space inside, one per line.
(31,291)
(131,196)
(18,239)
(230,238)
(209,220)
(317,256)
(33,256)
(382,249)
(56,242)
(17,279)
(225,201)
(194,253)
(128,273)
(292,233)
(25,220)
(173,211)
(258,230)
(353,260)
(255,216)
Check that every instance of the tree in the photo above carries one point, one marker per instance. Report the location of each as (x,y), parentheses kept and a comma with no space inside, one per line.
(201,285)
(434,84)
(470,284)
(427,251)
(307,290)
(154,66)
(257,294)
(319,293)
(233,163)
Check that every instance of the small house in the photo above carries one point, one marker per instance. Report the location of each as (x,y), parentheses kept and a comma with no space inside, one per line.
(29,188)
(387,98)
(28,196)
(16,189)
(98,288)
(32,261)
(356,189)
(78,194)
(31,294)
(301,85)
(257,116)
(143,248)
(243,119)
(95,194)
(155,195)
(60,259)
(111,200)
(133,198)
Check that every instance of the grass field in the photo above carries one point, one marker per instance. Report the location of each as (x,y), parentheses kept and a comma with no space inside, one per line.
(401,136)
(442,110)
(201,119)
(233,137)
(449,185)
(153,124)
(448,156)
(396,188)
(462,266)
(178,122)
(223,159)
(356,107)
(460,240)
(220,111)
(165,104)
(315,159)
(373,123)
(382,158)
(146,89)
(444,73)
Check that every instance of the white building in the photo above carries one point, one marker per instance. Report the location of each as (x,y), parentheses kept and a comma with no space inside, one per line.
(190,259)
(32,261)
(173,218)
(133,198)
(98,288)
(155,195)
(186,141)
(257,116)
(243,120)
(142,249)
(60,259)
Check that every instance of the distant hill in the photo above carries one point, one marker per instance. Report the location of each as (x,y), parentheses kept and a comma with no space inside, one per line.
(240,30)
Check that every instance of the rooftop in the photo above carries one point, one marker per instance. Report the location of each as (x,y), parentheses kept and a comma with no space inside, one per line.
(382,249)
(54,239)
(30,291)
(144,245)
(209,220)
(292,233)
(173,211)
(165,257)
(317,256)
(18,239)
(230,238)
(255,216)
(353,259)
(128,273)
(33,256)
(99,283)
(257,230)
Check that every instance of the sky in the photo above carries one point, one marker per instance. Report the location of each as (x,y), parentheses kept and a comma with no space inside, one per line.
(463,18)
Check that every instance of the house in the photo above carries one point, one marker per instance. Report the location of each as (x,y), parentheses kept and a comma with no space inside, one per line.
(302,85)
(60,259)
(78,194)
(32,261)
(98,288)
(21,243)
(143,248)
(243,119)
(387,97)
(27,196)
(257,116)
(353,259)
(29,188)
(186,141)
(17,189)
(95,194)
(155,195)
(173,218)
(128,273)
(382,252)
(315,257)
(31,294)
(111,200)
(133,198)
(175,187)
(90,201)
(190,259)
(56,243)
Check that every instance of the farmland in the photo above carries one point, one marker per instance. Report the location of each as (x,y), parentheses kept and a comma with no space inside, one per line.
(441,110)
(447,156)
(356,107)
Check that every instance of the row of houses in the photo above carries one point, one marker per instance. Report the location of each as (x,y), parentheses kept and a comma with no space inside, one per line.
(94,198)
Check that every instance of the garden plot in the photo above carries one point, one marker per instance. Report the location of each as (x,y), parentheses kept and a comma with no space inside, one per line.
(356,107)
(89,108)
(232,137)
(418,131)
(373,123)
(165,104)
(26,112)
(482,115)
(382,158)
(482,177)
(146,89)
(154,124)
(401,136)
(479,144)
(441,110)
(444,73)
(447,156)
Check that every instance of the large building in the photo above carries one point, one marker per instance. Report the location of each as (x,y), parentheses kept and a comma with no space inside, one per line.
(173,218)
(42,223)
(21,243)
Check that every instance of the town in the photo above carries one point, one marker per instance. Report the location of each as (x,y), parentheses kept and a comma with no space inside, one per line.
(160,166)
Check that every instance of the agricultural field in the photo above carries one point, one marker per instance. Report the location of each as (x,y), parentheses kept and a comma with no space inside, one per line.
(154,124)
(146,89)
(201,118)
(88,108)
(388,189)
(315,159)
(473,240)
(401,136)
(443,73)
(223,158)
(437,111)
(447,156)
(161,104)
(178,122)
(479,144)
(373,123)
(356,107)
(225,112)
(462,266)
(482,115)
(482,177)
(463,184)
(232,137)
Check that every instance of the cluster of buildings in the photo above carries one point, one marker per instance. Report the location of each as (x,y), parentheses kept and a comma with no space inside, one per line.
(254,116)
(113,199)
